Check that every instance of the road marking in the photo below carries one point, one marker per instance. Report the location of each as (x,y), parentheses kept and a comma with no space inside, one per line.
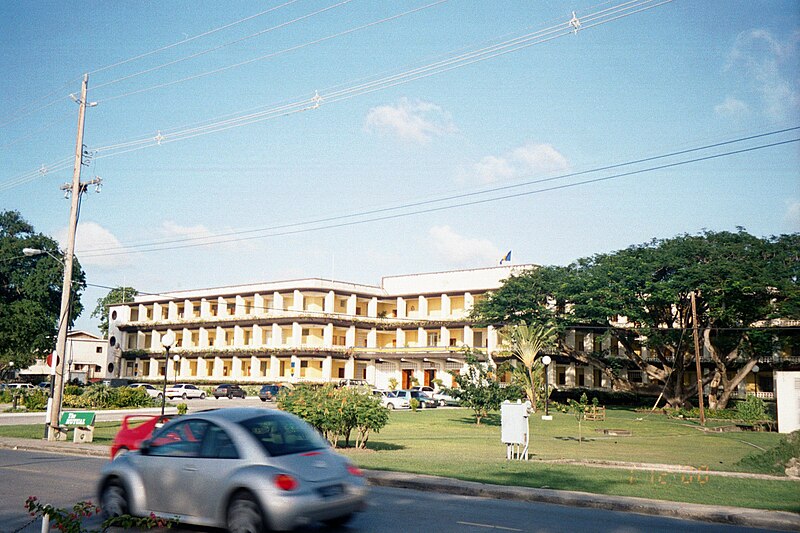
(488,526)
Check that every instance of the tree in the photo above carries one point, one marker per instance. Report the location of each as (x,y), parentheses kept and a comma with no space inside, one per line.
(526,344)
(640,297)
(478,387)
(115,296)
(30,292)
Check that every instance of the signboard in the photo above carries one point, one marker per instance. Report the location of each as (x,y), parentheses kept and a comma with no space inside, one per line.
(514,431)
(77,418)
(50,359)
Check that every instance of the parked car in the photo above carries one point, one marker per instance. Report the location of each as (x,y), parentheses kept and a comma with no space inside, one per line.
(148,388)
(135,429)
(21,386)
(269,392)
(229,390)
(425,401)
(185,390)
(440,396)
(243,469)
(394,400)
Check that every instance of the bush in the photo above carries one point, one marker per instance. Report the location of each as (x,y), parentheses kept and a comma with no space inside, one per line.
(336,412)
(774,460)
(752,409)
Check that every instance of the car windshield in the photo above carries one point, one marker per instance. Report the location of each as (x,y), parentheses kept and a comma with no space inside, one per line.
(281,435)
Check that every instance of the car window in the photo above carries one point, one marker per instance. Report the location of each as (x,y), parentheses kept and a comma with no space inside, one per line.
(280,435)
(182,439)
(217,444)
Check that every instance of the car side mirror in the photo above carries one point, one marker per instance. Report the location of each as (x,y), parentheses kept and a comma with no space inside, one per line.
(144,449)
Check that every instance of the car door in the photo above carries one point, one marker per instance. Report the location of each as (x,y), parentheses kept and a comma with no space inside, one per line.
(219,458)
(169,467)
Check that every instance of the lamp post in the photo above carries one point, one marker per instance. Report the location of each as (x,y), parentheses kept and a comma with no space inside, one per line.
(166,341)
(10,370)
(175,359)
(755,370)
(546,362)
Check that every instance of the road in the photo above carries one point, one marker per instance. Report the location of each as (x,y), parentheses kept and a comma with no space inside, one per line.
(63,480)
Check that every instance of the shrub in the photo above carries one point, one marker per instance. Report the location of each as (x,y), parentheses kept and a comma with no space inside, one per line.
(774,460)
(336,412)
(182,408)
(752,409)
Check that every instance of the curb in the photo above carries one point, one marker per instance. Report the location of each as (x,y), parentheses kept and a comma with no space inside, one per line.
(775,520)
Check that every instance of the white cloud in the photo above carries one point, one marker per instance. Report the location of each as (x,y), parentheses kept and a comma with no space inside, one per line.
(200,234)
(526,160)
(793,213)
(96,246)
(460,251)
(770,68)
(731,107)
(411,120)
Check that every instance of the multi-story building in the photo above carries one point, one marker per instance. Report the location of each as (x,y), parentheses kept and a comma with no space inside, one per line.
(411,328)
(87,360)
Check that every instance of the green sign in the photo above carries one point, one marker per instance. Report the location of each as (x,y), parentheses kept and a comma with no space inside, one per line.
(77,418)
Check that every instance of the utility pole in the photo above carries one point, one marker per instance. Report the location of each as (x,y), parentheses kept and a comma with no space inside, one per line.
(76,188)
(697,362)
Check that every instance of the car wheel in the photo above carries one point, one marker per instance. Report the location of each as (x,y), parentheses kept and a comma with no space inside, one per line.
(390,406)
(159,396)
(114,500)
(263,399)
(244,396)
(230,396)
(338,521)
(202,395)
(244,515)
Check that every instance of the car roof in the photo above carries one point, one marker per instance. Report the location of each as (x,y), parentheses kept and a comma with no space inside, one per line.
(236,414)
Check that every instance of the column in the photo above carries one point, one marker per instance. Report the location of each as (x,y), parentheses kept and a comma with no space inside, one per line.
(372,307)
(274,367)
(444,336)
(259,307)
(372,338)
(205,308)
(238,336)
(277,301)
(350,368)
(350,337)
(446,307)
(422,307)
(469,338)
(351,305)
(172,313)
(297,335)
(327,368)
(202,369)
(401,307)
(400,337)
(277,335)
(188,309)
(236,367)
(299,303)
(327,335)
(238,309)
(330,302)
(570,375)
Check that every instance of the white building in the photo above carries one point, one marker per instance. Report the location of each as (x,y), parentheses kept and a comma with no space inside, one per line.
(87,359)
(410,328)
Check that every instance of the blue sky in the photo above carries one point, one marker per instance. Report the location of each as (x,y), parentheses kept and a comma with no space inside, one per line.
(401,175)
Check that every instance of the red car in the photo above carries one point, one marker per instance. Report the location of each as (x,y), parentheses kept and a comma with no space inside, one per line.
(135,430)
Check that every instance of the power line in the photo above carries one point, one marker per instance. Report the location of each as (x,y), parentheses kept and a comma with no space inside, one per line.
(172,245)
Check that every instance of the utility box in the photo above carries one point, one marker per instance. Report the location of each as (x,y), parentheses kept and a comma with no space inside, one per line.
(83,434)
(515,432)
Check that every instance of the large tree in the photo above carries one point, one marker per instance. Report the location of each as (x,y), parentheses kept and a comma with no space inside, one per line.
(641,297)
(115,296)
(30,292)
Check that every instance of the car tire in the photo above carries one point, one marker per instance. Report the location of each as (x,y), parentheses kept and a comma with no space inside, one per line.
(230,396)
(339,520)
(263,399)
(114,500)
(159,396)
(202,395)
(183,396)
(244,515)
(390,406)
(244,396)
(442,403)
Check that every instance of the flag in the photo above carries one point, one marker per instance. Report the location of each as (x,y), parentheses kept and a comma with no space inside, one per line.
(506,258)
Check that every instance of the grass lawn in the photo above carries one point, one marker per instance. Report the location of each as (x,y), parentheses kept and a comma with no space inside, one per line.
(446,442)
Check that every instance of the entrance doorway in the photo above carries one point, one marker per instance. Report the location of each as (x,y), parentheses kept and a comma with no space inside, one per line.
(430,375)
(407,375)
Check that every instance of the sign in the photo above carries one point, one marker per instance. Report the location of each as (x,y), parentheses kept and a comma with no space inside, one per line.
(77,418)
(50,359)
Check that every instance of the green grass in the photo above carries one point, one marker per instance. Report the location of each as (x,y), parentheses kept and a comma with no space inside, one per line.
(446,442)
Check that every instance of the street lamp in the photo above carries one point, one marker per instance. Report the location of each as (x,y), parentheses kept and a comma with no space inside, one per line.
(755,370)
(176,358)
(166,341)
(546,362)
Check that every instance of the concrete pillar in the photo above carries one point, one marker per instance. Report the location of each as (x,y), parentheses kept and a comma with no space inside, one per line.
(350,337)
(154,364)
(372,307)
(297,335)
(400,337)
(299,301)
(350,368)
(236,367)
(274,367)
(469,338)
(401,307)
(294,366)
(351,305)
(188,309)
(172,313)
(371,372)
(219,365)
(257,336)
(422,307)
(277,335)
(327,335)
(444,336)
(491,339)
(570,375)
(422,337)
(259,307)
(219,338)
(277,301)
(239,307)
(205,308)
(238,336)
(330,302)
(202,340)
(446,307)
(327,368)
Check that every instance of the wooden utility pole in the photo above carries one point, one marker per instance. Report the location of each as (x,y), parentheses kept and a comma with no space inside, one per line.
(697,362)
(66,289)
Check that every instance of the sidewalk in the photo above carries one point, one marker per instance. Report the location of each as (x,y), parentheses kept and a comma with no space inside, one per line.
(775,520)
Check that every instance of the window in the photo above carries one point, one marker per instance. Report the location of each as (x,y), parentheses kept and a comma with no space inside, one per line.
(579,339)
(182,439)
(635,376)
(433,339)
(99,349)
(281,435)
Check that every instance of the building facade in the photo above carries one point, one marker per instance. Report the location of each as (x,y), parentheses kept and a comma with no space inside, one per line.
(412,329)
(88,360)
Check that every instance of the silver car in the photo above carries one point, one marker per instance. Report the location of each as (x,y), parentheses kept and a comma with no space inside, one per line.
(243,469)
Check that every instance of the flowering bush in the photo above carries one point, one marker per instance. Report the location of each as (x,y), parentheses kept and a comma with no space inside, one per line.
(71,520)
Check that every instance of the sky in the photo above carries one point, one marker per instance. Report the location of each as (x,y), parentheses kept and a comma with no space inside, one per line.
(243,142)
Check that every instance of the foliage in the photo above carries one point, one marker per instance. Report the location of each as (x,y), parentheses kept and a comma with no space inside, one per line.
(337,412)
(182,408)
(116,295)
(775,459)
(738,280)
(579,410)
(752,409)
(30,292)
(478,388)
(70,520)
(527,342)
(413,403)
(35,401)
(393,383)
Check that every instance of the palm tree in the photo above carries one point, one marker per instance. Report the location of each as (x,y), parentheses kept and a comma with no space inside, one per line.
(526,344)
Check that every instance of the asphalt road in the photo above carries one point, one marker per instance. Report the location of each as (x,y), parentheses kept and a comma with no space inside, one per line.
(63,480)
